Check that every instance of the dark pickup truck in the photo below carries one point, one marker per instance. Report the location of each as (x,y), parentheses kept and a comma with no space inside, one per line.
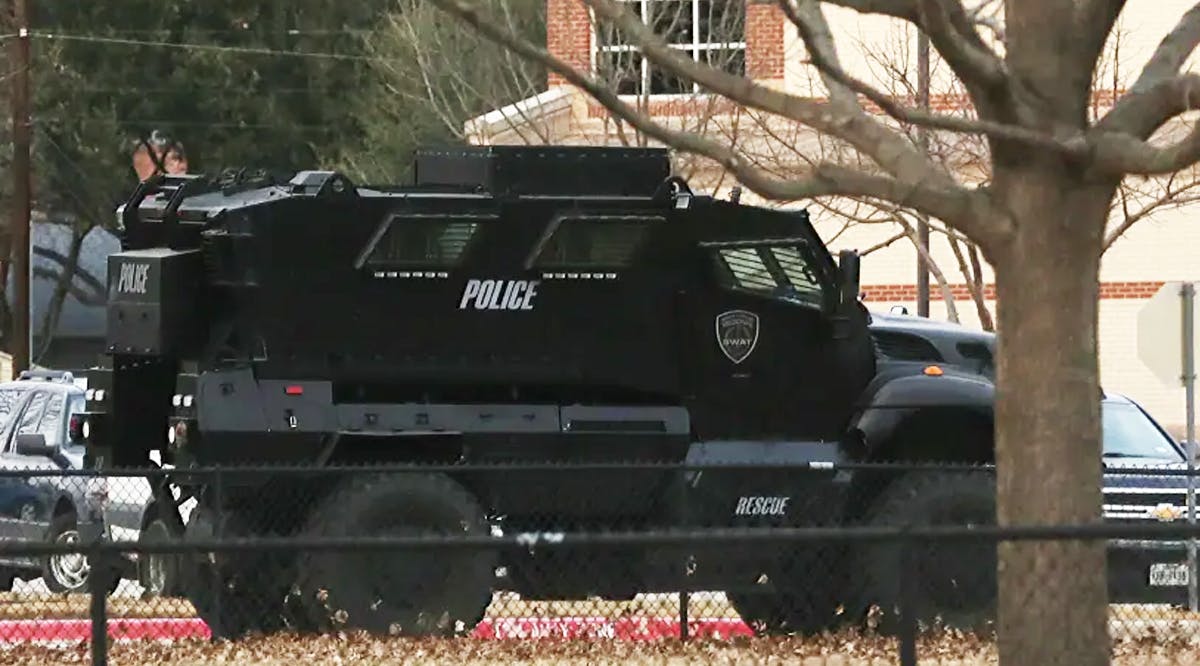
(1138,456)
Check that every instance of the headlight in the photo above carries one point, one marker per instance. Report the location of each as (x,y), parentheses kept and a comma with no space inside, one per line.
(86,429)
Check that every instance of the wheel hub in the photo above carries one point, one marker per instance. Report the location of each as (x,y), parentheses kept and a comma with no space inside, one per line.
(71,570)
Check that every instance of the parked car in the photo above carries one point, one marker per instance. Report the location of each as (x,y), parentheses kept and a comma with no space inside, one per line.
(35,412)
(903,337)
(39,431)
(1138,458)
(1139,455)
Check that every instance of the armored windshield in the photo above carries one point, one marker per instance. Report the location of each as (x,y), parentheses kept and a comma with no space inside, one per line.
(785,271)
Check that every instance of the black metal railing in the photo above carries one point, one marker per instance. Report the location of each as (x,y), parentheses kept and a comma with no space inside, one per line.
(871,578)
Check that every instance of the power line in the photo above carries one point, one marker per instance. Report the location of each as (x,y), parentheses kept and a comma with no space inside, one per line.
(245,50)
(150,122)
(225,31)
(188,87)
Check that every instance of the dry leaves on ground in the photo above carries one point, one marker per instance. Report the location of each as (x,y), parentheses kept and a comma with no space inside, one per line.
(76,606)
(845,649)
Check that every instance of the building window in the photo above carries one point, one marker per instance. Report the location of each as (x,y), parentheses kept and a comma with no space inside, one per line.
(709,31)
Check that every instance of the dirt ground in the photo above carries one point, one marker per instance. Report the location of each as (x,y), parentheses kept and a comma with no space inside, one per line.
(841,650)
(700,605)
(27,607)
(1163,636)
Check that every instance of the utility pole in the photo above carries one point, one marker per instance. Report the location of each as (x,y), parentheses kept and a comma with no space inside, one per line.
(22,187)
(923,143)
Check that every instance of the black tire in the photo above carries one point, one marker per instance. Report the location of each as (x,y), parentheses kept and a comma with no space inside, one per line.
(158,573)
(422,592)
(7,578)
(954,583)
(237,593)
(803,595)
(68,573)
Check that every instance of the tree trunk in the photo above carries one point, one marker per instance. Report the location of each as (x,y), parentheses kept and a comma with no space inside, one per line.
(1053,595)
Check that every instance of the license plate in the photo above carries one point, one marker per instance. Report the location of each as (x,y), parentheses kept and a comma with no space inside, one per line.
(1168,575)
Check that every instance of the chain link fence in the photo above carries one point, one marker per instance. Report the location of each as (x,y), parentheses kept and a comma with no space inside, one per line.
(858,564)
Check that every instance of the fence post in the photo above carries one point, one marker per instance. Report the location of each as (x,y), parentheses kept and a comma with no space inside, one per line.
(908,606)
(218,492)
(683,614)
(98,579)
(681,487)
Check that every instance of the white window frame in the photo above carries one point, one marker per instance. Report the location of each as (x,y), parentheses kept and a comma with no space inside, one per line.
(695,48)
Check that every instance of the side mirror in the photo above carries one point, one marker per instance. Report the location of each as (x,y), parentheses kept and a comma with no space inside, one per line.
(849,262)
(34,444)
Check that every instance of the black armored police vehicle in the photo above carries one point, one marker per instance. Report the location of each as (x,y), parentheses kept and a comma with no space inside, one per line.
(560,306)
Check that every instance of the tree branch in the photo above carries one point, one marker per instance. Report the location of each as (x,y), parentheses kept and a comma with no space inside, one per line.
(1169,198)
(1124,154)
(815,33)
(974,279)
(934,269)
(1147,105)
(882,244)
(1094,21)
(814,30)
(954,35)
(950,30)
(1172,51)
(952,204)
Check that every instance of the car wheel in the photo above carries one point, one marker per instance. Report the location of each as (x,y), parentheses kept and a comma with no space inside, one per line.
(158,573)
(67,572)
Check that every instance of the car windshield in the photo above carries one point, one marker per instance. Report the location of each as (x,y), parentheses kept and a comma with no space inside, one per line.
(9,398)
(1129,433)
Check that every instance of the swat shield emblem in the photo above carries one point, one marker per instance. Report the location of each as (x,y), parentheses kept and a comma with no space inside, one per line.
(737,334)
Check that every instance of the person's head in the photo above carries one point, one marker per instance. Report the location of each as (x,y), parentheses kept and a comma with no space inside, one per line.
(167,151)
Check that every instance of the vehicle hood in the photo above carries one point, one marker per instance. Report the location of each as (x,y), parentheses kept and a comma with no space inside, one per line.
(911,324)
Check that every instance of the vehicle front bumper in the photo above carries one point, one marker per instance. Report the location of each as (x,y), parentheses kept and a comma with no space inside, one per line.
(1129,571)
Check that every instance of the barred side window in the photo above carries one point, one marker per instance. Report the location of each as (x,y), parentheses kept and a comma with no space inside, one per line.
(592,242)
(785,272)
(421,241)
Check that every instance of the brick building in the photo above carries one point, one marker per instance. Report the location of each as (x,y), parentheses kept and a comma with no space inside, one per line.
(756,39)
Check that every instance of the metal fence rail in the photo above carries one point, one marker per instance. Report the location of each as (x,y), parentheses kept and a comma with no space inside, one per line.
(705,594)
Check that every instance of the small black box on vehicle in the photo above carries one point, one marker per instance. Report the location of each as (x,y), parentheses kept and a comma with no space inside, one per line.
(545,170)
(154,301)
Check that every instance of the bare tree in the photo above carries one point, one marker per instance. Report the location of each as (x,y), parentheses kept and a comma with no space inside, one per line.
(1040,219)
(429,75)
(892,63)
